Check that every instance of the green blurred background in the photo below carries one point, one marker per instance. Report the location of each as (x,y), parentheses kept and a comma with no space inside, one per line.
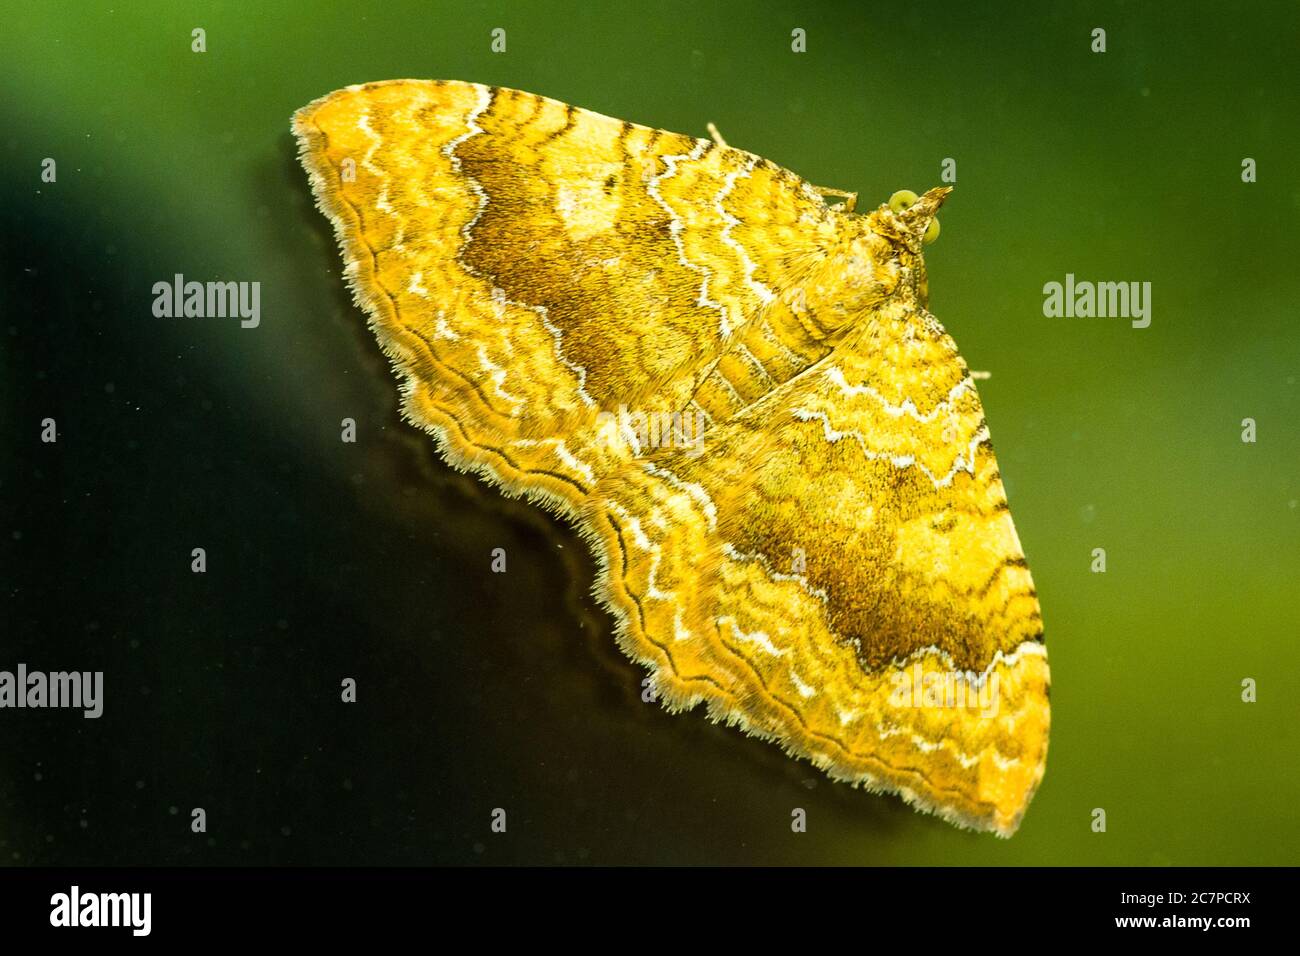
(370,560)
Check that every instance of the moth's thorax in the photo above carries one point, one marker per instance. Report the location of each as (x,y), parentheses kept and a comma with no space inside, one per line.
(857,272)
(913,286)
(870,266)
(875,259)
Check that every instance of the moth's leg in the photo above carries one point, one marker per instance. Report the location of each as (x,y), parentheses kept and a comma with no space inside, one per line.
(717,137)
(850,199)
(980,376)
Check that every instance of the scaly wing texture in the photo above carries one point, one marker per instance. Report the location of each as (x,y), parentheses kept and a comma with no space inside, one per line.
(839,572)
(529,266)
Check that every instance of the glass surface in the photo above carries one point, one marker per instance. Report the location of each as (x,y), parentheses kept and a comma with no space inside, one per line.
(370,561)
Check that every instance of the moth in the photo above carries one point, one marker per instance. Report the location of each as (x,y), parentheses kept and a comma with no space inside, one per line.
(735,393)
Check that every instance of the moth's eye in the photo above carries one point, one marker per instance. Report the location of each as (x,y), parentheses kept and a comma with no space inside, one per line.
(932,231)
(902,199)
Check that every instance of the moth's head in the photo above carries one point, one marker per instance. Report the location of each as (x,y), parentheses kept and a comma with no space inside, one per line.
(877,256)
(908,222)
